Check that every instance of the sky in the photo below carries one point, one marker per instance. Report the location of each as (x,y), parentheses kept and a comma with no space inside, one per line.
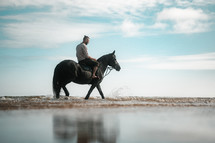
(165,47)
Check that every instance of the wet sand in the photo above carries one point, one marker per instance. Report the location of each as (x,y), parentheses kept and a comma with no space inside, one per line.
(44,102)
(113,120)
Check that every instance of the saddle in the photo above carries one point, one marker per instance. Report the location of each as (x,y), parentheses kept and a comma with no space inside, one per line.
(86,68)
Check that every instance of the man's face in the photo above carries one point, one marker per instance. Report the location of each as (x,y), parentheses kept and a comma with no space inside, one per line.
(87,40)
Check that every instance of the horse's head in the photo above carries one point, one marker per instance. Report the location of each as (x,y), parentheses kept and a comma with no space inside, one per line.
(113,62)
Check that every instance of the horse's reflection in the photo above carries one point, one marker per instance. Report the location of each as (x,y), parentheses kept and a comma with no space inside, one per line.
(85,129)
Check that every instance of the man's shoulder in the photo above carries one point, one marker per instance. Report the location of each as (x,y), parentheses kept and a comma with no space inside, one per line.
(81,45)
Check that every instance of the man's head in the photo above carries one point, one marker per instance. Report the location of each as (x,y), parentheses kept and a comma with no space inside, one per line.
(86,39)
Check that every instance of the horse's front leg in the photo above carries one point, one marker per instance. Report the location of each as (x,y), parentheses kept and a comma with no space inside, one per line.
(100,91)
(90,90)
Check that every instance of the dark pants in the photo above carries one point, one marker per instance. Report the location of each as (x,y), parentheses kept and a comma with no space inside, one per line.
(89,62)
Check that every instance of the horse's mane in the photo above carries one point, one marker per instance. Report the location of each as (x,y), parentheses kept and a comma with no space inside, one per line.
(103,57)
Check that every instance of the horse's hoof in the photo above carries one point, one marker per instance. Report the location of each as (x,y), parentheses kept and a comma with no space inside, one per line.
(66,98)
(86,98)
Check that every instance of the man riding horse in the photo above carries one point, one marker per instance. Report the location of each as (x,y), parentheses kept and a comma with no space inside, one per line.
(70,71)
(84,58)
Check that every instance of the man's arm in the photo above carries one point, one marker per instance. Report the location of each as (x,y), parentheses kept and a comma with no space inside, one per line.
(92,58)
(85,52)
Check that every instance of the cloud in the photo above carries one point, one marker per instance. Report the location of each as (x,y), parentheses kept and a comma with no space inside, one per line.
(117,8)
(47,32)
(204,61)
(137,60)
(186,3)
(158,25)
(206,56)
(53,22)
(184,65)
(187,20)
(65,21)
(130,29)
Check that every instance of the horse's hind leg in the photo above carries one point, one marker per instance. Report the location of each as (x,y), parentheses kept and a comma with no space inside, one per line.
(57,91)
(65,90)
(58,95)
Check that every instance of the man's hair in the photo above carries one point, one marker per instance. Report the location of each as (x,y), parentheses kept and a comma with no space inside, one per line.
(85,37)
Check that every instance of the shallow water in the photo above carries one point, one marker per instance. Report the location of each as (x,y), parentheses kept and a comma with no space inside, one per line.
(109,125)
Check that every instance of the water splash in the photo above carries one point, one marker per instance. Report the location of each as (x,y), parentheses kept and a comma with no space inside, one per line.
(123,91)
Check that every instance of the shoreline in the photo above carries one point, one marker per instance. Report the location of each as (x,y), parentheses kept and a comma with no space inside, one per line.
(48,102)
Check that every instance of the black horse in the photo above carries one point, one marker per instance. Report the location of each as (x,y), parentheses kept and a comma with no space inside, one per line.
(70,71)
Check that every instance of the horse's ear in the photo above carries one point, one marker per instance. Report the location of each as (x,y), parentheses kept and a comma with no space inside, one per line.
(113,52)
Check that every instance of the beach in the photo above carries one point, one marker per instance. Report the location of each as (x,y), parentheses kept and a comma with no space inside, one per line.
(113,120)
(49,102)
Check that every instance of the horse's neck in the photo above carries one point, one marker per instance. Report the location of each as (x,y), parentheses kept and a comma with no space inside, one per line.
(103,65)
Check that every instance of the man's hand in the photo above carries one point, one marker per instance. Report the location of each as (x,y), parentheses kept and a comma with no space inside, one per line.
(92,58)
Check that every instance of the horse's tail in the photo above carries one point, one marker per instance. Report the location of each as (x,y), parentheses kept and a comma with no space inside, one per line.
(55,84)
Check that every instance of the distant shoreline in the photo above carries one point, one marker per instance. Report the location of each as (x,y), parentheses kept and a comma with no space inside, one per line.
(48,102)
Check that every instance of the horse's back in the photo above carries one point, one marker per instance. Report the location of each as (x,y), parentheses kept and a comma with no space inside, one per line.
(65,71)
(69,70)
(65,65)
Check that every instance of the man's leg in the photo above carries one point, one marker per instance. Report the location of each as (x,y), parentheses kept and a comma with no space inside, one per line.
(94,72)
(94,65)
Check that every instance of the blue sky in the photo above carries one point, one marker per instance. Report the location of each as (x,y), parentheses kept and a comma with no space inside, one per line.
(165,47)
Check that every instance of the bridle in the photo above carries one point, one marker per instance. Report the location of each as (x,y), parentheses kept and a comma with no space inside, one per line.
(108,70)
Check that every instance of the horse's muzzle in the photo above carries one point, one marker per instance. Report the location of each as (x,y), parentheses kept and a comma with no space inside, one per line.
(117,67)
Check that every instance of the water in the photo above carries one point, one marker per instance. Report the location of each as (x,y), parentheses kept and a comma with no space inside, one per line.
(157,124)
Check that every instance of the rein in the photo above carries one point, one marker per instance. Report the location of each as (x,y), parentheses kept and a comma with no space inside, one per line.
(107,72)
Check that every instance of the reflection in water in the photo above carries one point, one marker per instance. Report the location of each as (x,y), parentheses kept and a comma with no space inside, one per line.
(121,125)
(85,129)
